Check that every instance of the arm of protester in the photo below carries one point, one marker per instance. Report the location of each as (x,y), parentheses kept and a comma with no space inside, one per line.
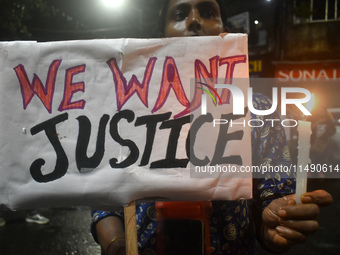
(286,223)
(111,235)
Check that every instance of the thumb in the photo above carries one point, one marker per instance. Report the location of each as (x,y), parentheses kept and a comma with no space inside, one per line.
(319,197)
(270,215)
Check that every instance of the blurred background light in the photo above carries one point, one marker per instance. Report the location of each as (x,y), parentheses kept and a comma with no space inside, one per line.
(311,103)
(113,3)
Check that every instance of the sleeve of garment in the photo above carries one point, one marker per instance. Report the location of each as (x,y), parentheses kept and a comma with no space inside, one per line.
(271,153)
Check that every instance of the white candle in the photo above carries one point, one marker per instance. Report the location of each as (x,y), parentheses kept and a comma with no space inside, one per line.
(305,131)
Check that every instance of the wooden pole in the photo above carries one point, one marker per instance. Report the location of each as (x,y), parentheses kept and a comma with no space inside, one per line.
(131,229)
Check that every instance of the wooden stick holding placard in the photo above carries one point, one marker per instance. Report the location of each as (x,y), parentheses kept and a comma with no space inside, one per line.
(131,229)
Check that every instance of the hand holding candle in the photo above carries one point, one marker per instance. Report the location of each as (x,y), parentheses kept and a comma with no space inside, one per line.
(295,221)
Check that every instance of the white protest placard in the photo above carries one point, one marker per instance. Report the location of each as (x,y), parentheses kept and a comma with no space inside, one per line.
(105,122)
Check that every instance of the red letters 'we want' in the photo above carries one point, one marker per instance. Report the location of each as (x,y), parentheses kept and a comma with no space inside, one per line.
(124,90)
(45,93)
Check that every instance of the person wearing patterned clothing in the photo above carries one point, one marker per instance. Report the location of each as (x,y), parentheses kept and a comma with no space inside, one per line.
(234,225)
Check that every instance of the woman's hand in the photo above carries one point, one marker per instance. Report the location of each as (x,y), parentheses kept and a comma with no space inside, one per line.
(111,236)
(286,223)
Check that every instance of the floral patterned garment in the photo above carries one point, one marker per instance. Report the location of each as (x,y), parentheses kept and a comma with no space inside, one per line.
(233,224)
